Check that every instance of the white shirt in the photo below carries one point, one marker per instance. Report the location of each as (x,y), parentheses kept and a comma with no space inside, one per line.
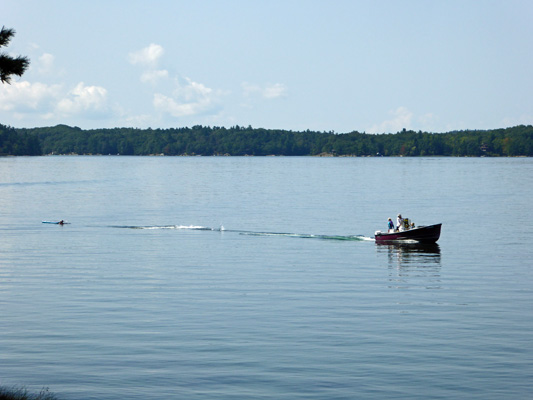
(399,223)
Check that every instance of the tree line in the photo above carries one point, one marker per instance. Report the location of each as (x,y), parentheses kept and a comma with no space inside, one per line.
(241,141)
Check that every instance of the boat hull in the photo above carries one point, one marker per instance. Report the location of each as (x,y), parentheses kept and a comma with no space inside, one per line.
(423,234)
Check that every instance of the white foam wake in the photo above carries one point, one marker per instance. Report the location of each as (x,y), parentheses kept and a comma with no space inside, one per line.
(183,227)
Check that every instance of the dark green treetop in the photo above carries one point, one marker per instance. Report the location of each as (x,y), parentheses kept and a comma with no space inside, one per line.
(10,65)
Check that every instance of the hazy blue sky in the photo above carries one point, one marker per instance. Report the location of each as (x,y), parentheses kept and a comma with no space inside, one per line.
(373,66)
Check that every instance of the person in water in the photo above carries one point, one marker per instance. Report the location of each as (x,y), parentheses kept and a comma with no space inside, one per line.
(390,225)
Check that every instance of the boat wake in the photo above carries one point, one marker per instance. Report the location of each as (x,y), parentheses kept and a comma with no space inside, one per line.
(179,227)
(309,236)
(359,238)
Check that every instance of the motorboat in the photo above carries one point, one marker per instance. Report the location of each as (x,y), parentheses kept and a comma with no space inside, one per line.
(419,234)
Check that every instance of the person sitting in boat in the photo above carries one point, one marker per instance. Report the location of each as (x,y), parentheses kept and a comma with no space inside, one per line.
(390,225)
(61,222)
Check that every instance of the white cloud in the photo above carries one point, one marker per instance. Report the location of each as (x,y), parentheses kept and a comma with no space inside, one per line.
(148,56)
(52,101)
(274,91)
(83,99)
(401,118)
(175,96)
(189,98)
(148,59)
(192,91)
(45,63)
(154,76)
(170,106)
(26,97)
(271,91)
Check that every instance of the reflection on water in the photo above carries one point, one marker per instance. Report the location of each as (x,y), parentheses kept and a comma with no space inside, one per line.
(413,265)
(411,252)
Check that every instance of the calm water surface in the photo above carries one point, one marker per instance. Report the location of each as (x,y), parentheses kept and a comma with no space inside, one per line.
(257,278)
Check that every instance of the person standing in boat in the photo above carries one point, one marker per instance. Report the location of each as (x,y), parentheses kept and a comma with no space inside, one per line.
(399,223)
(390,225)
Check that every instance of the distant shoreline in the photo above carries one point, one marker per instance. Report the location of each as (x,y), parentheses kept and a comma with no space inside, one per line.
(248,155)
(241,141)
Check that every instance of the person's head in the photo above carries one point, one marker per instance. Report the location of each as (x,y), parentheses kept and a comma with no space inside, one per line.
(389,219)
(399,215)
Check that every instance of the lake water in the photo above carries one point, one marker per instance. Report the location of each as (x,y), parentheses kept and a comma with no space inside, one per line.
(257,278)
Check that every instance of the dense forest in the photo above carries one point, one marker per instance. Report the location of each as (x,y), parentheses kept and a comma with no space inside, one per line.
(15,143)
(240,141)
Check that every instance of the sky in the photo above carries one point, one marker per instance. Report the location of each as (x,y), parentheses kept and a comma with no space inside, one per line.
(335,66)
